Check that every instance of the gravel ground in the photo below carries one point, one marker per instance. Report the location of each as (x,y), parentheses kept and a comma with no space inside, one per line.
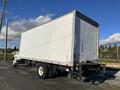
(25,78)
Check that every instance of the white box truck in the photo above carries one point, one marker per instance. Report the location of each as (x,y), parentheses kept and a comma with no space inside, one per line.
(69,42)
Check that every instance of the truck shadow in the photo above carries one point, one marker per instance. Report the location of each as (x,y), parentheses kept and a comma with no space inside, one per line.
(58,74)
(100,78)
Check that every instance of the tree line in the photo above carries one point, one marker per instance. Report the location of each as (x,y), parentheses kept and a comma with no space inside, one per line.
(109,51)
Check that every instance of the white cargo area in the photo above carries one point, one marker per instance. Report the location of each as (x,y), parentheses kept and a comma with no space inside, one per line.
(68,43)
(63,41)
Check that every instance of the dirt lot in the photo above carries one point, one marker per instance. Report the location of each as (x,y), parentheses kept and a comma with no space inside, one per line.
(25,78)
(113,65)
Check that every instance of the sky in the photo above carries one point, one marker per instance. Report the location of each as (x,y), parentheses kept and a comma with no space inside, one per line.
(26,14)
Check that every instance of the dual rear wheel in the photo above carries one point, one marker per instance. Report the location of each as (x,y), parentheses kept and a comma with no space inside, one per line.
(43,71)
(47,70)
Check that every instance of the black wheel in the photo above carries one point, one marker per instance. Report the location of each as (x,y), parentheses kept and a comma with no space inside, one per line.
(71,74)
(43,71)
(52,70)
(14,63)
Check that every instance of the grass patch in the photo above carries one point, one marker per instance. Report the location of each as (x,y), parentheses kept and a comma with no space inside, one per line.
(9,56)
(112,63)
(109,61)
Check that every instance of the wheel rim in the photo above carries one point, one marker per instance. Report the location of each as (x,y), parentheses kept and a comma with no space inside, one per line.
(14,62)
(40,71)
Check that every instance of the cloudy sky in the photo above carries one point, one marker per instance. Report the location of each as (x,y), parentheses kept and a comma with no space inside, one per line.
(26,14)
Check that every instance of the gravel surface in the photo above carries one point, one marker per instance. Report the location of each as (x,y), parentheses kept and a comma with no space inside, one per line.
(26,78)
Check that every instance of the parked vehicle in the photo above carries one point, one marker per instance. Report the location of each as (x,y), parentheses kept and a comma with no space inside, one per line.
(68,42)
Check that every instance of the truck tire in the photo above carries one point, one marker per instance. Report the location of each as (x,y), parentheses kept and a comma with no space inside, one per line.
(71,74)
(14,63)
(43,71)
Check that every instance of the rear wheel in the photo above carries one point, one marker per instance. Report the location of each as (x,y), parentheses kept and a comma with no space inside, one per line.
(14,63)
(43,71)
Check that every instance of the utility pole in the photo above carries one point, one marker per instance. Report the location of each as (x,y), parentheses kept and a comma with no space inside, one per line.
(6,40)
(2,16)
(117,51)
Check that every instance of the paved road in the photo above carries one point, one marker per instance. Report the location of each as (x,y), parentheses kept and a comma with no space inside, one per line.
(25,78)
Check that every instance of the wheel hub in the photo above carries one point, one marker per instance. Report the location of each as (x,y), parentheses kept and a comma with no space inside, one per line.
(40,71)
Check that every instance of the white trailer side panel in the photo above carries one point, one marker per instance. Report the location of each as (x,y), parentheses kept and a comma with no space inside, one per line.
(87,40)
(51,42)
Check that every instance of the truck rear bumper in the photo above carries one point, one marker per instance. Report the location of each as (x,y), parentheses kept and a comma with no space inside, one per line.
(90,66)
(83,68)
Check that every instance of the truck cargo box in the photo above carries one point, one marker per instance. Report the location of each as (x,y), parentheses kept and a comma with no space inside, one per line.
(69,39)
